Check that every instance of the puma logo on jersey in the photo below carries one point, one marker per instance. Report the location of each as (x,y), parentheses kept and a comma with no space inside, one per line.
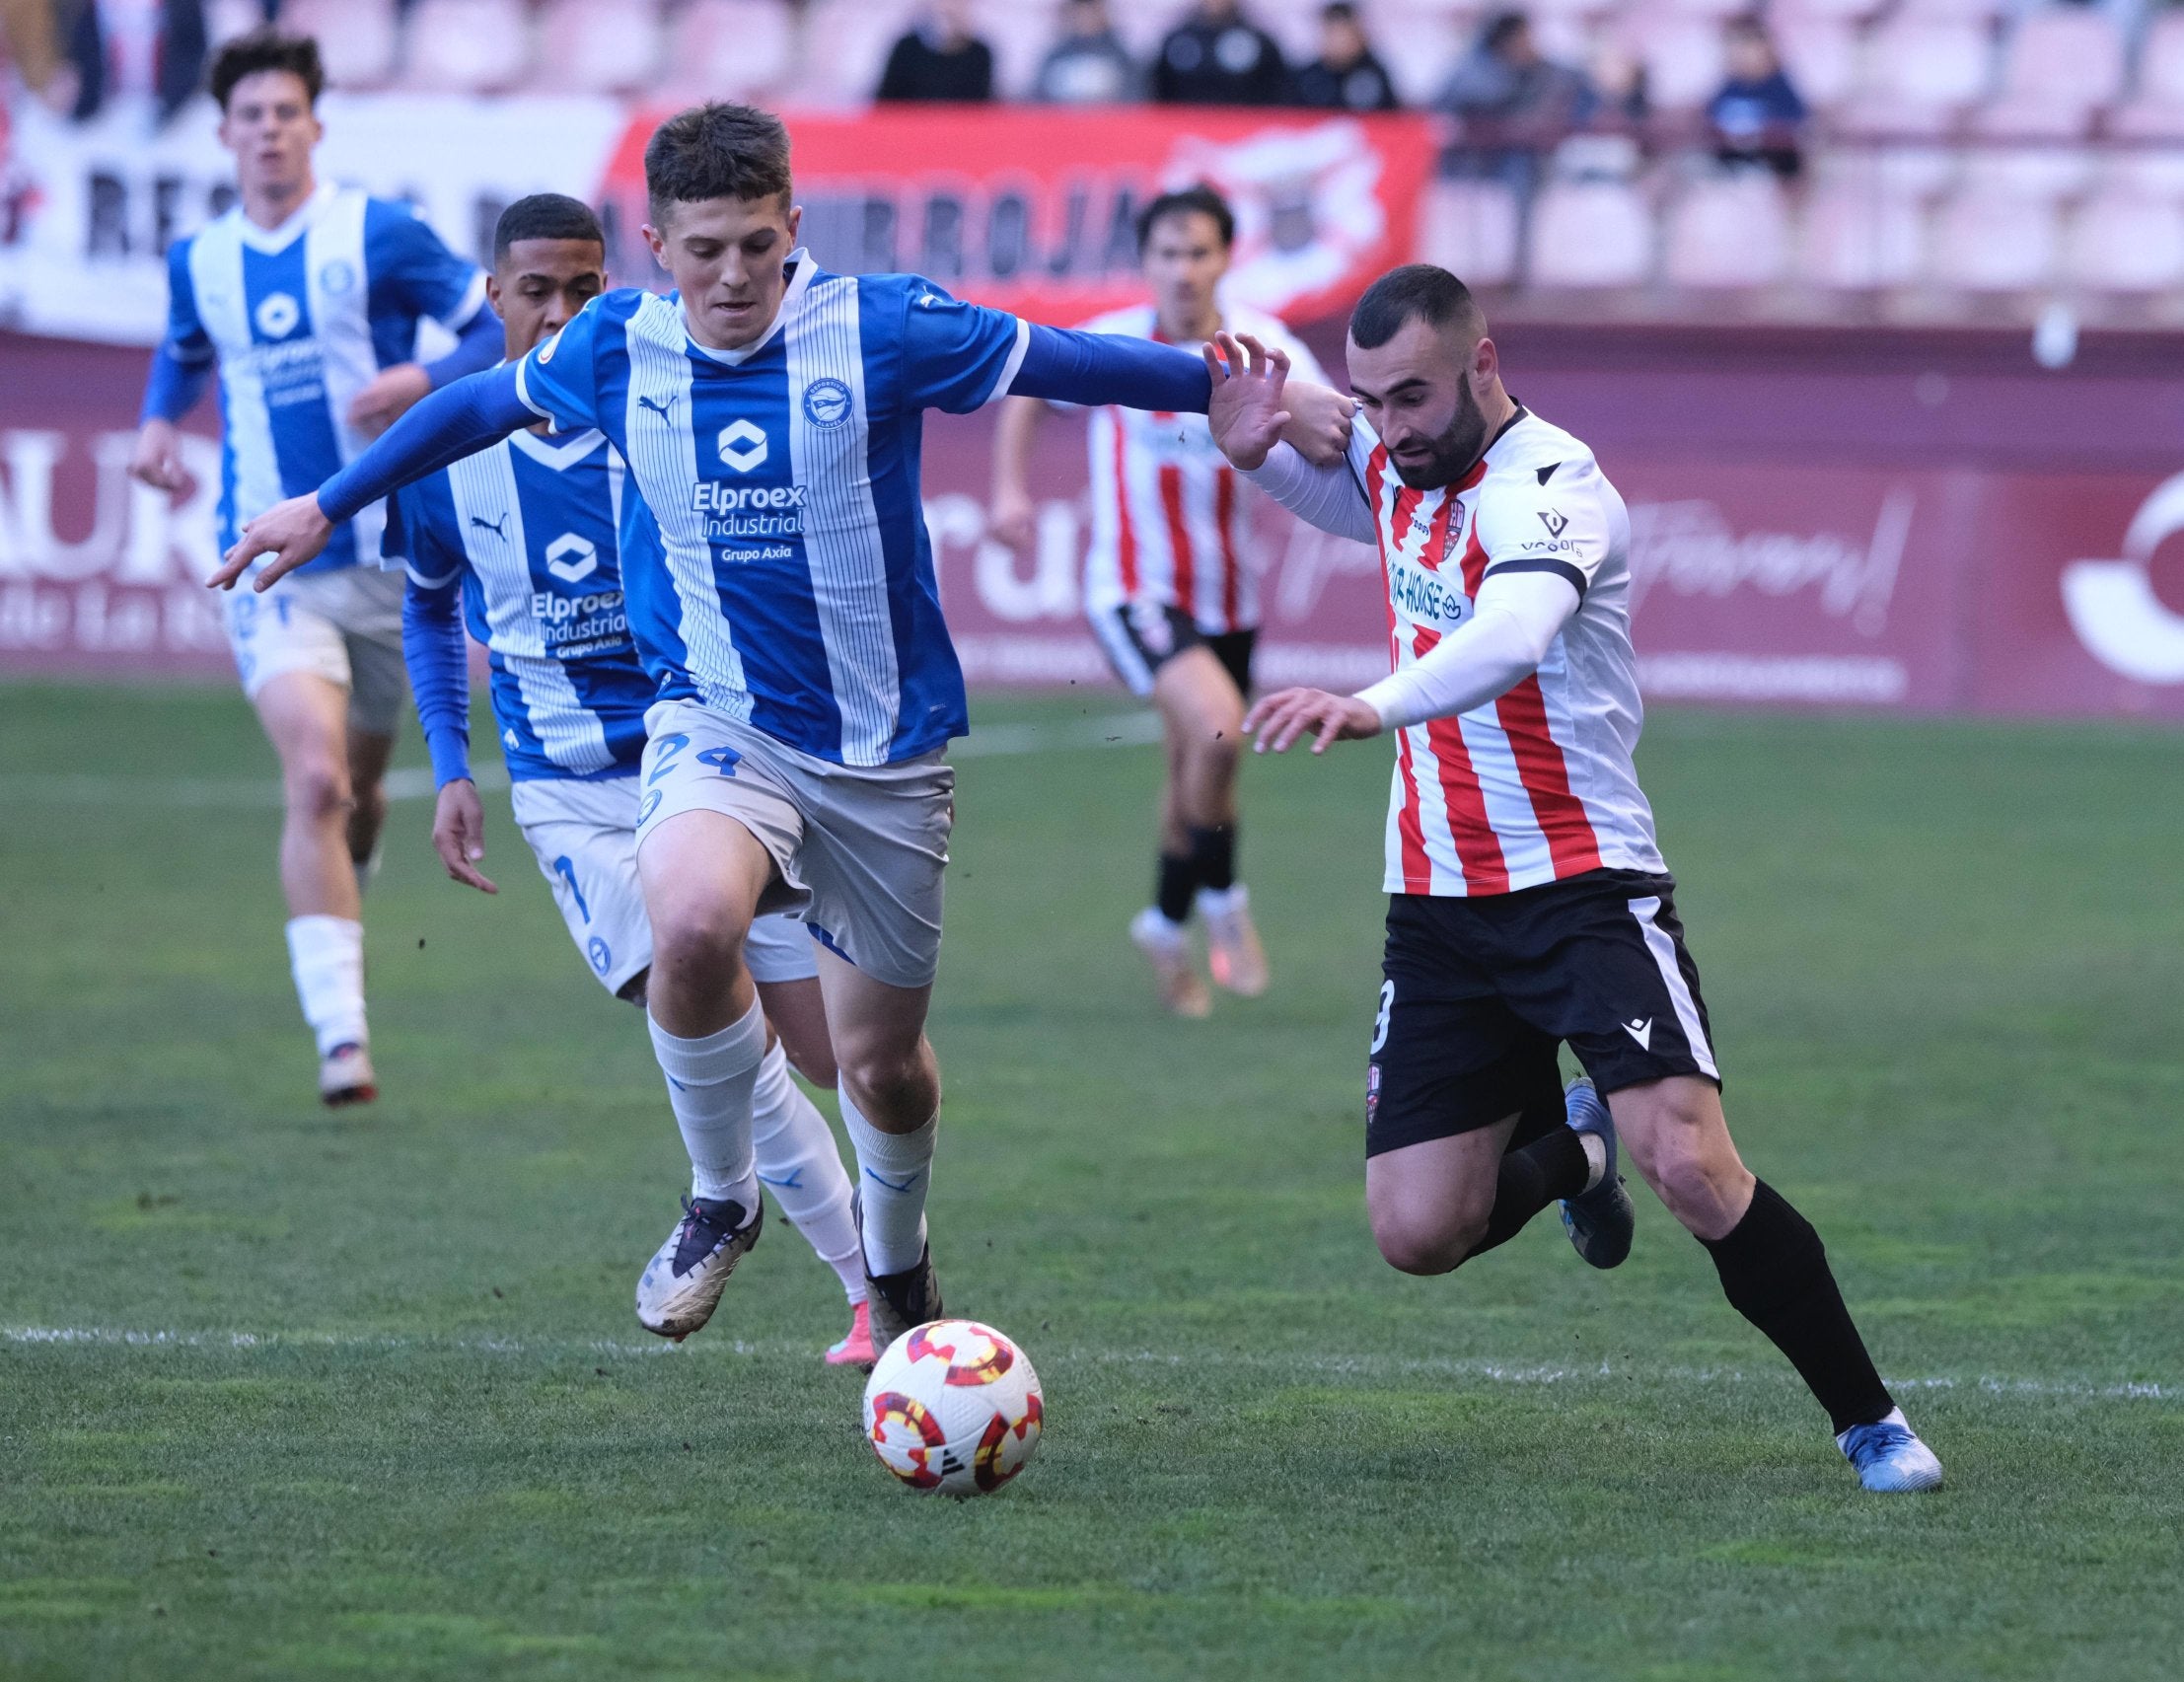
(1641,1029)
(496,527)
(659,407)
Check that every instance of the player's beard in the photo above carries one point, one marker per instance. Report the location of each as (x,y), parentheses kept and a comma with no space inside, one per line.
(1459,445)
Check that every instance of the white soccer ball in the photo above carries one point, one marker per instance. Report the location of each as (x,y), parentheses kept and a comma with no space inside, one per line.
(953,1407)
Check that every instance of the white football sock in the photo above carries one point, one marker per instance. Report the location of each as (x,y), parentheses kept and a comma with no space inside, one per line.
(1221,902)
(797,1157)
(710,1081)
(893,1173)
(326,955)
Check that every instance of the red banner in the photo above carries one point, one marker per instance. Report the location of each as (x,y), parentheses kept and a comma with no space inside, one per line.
(1035,210)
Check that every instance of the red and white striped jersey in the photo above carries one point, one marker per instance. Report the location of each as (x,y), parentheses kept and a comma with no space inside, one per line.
(1171,524)
(1536,784)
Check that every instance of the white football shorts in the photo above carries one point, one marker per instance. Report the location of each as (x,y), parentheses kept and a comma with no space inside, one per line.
(345,626)
(584,837)
(860,850)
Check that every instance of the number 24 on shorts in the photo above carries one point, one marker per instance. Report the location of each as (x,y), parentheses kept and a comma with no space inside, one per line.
(722,759)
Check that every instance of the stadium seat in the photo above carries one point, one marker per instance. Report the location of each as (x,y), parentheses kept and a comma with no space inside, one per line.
(1420,41)
(2124,242)
(1990,242)
(1682,56)
(2151,171)
(729,50)
(1846,12)
(2049,171)
(1593,233)
(2156,109)
(2059,66)
(598,47)
(1470,227)
(466,46)
(1728,231)
(1916,76)
(1859,238)
(359,41)
(845,48)
(227,19)
(1821,57)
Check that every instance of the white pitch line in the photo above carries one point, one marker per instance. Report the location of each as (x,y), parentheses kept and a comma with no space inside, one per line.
(1326,1366)
(414,782)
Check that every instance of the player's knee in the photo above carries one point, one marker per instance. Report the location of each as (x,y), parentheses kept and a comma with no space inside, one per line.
(889,1079)
(1692,1168)
(319,790)
(697,940)
(1428,1247)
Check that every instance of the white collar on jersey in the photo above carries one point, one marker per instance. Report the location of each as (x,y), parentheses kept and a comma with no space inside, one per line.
(558,456)
(800,261)
(270,240)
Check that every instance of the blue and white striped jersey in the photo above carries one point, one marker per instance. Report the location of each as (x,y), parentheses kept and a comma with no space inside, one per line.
(526,530)
(779,568)
(301,319)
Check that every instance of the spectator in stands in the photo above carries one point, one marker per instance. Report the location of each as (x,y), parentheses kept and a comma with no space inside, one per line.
(1511,104)
(1217,57)
(1088,65)
(1614,88)
(940,59)
(1347,74)
(105,55)
(1757,115)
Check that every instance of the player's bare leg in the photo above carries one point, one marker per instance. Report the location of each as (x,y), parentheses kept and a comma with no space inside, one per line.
(369,754)
(1774,1270)
(798,1012)
(306,718)
(702,875)
(1204,714)
(890,1095)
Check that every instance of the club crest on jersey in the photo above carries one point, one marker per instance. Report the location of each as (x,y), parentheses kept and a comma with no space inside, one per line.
(277,314)
(338,279)
(826,401)
(742,444)
(571,558)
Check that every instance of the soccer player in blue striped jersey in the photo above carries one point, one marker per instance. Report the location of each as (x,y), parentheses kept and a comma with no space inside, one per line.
(781,592)
(308,298)
(520,541)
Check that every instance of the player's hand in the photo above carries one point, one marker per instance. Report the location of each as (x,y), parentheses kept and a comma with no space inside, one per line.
(1245,410)
(1281,717)
(459,834)
(291,532)
(381,404)
(1319,422)
(157,458)
(1013,520)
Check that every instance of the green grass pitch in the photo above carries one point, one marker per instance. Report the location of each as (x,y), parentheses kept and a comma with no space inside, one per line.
(290,1394)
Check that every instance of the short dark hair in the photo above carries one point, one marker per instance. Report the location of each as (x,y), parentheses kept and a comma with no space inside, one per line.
(546,216)
(262,49)
(717,150)
(1199,200)
(1339,12)
(1417,289)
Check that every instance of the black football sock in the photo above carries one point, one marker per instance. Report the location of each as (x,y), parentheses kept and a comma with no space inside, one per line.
(1774,1272)
(1176,886)
(1531,1178)
(1213,855)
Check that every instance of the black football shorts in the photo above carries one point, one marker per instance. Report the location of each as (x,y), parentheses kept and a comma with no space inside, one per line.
(1479,994)
(1141,637)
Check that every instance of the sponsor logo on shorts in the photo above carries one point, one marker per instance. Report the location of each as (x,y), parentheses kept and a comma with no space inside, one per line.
(826,401)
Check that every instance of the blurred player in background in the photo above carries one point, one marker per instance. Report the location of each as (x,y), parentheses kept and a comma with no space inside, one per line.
(308,297)
(780,589)
(521,540)
(1171,592)
(1529,905)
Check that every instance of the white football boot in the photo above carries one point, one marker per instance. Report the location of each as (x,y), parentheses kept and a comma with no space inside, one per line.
(680,1285)
(1167,948)
(346,1077)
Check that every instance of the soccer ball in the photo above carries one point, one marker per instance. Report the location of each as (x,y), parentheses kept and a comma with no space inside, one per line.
(953,1407)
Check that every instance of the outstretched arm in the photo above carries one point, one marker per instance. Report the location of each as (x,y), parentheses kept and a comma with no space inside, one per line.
(1517,619)
(1065,365)
(1253,413)
(445,427)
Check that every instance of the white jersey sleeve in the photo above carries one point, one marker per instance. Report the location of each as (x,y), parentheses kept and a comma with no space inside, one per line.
(1555,517)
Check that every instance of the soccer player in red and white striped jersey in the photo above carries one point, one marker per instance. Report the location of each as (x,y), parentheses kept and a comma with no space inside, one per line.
(1171,590)
(1529,905)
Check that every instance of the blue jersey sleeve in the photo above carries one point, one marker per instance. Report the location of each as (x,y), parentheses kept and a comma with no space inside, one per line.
(412,273)
(956,357)
(453,422)
(559,379)
(182,363)
(432,646)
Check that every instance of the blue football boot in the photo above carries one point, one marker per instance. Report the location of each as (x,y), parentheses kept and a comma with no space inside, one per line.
(1889,1457)
(1599,1221)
